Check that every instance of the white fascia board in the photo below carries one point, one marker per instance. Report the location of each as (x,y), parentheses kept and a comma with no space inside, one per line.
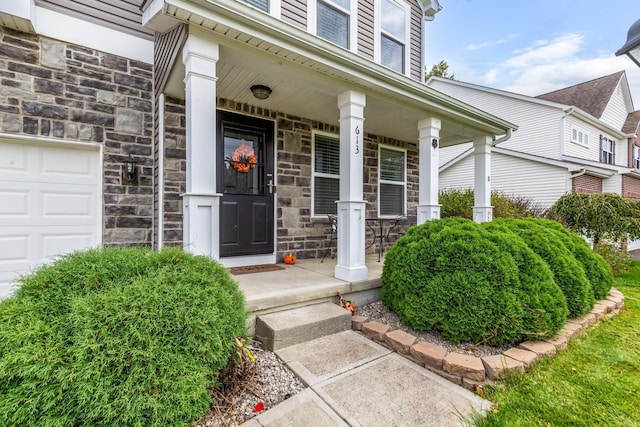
(597,167)
(250,21)
(82,33)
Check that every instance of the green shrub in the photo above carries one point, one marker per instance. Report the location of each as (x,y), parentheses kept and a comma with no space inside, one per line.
(117,337)
(618,260)
(567,271)
(450,275)
(595,267)
(457,202)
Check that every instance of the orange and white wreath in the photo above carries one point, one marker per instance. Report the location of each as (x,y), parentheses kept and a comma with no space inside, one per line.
(243,158)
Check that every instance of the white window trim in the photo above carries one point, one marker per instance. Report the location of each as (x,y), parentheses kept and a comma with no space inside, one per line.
(579,131)
(635,159)
(274,6)
(315,174)
(610,152)
(312,8)
(381,181)
(377,23)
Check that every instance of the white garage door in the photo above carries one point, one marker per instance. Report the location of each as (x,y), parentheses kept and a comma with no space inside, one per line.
(49,198)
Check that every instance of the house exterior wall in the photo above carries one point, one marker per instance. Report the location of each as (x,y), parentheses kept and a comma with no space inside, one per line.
(616,111)
(612,184)
(592,152)
(62,91)
(630,187)
(539,128)
(297,231)
(121,15)
(587,184)
(294,12)
(513,176)
(366,28)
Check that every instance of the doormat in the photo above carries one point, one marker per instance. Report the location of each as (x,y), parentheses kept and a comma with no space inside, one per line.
(261,268)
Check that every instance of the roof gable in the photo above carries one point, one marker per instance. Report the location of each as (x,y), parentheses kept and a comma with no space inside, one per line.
(592,96)
(632,123)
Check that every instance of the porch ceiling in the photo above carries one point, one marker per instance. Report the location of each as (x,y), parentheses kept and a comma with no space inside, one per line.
(306,76)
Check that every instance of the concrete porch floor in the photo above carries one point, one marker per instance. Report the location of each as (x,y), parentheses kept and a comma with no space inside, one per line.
(309,281)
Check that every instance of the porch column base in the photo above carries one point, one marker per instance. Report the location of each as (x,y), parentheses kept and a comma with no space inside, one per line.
(201,234)
(482,213)
(428,213)
(351,265)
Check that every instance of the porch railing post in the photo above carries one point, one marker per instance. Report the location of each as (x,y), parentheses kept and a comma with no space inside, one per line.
(429,147)
(482,209)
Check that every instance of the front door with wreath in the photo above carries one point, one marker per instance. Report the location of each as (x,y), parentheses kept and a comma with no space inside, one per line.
(245,180)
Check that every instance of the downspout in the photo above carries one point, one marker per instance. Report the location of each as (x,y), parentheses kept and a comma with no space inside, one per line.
(503,138)
(567,112)
(577,174)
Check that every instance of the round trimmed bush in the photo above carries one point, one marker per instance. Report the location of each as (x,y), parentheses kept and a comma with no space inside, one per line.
(567,271)
(450,275)
(595,266)
(117,337)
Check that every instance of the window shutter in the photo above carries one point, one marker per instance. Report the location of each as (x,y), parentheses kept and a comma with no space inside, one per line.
(613,151)
(601,148)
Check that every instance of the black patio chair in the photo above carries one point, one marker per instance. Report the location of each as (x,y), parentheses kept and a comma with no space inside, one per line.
(333,222)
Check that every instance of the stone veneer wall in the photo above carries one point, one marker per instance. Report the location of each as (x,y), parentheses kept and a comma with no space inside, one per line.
(587,184)
(58,90)
(297,230)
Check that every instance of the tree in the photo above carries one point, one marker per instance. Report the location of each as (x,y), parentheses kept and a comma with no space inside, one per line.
(441,69)
(600,217)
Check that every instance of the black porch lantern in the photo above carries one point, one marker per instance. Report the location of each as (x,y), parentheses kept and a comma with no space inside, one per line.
(129,168)
(632,47)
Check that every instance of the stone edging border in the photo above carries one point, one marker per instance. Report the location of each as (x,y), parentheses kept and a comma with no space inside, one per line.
(473,372)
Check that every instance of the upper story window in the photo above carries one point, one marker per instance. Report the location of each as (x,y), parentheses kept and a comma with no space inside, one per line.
(635,159)
(393,35)
(263,5)
(326,174)
(392,181)
(579,136)
(332,20)
(607,150)
(271,7)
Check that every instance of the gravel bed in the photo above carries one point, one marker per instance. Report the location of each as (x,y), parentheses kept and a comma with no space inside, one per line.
(379,312)
(268,380)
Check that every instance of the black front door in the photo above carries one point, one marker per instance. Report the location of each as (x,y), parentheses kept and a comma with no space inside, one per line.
(245,180)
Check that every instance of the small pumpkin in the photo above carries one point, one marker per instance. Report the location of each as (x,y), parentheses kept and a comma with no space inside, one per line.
(289,259)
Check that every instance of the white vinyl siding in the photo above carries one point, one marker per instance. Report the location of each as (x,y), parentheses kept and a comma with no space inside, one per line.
(325,185)
(392,182)
(513,176)
(615,113)
(539,129)
(612,184)
(592,152)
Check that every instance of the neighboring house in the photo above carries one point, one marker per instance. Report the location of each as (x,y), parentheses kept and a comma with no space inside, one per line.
(581,138)
(247,120)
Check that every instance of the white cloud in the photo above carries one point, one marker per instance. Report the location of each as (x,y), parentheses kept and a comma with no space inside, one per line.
(548,65)
(483,45)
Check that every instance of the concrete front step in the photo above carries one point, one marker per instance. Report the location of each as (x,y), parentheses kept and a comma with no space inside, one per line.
(290,327)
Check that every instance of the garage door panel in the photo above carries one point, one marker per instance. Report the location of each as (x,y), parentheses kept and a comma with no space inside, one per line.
(65,204)
(13,159)
(50,204)
(67,163)
(55,244)
(14,203)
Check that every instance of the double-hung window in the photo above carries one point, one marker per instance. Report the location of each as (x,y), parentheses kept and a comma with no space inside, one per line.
(607,150)
(272,7)
(635,158)
(579,136)
(326,174)
(393,36)
(392,181)
(332,21)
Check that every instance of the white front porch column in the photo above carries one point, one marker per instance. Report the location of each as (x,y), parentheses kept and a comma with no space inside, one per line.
(201,203)
(482,209)
(351,207)
(428,146)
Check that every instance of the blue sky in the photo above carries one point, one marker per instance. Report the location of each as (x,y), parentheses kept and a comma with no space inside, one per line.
(536,46)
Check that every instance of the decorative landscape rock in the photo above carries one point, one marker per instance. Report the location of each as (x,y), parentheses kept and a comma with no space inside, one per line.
(375,330)
(400,341)
(357,322)
(497,367)
(464,366)
(430,354)
(525,356)
(539,347)
(559,341)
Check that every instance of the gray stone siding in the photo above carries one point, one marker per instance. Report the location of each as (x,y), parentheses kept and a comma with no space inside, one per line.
(58,90)
(175,170)
(297,231)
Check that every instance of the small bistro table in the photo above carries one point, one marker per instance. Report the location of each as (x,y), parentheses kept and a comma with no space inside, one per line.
(377,227)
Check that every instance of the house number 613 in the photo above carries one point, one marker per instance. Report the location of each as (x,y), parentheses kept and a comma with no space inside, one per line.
(357,139)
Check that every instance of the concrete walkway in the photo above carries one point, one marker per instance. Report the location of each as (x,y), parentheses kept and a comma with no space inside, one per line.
(353,381)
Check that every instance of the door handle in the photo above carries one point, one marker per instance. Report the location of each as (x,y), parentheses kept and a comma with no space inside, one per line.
(271,187)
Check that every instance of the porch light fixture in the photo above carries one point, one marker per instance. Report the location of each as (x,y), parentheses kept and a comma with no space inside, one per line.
(260,91)
(129,169)
(434,142)
(632,47)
